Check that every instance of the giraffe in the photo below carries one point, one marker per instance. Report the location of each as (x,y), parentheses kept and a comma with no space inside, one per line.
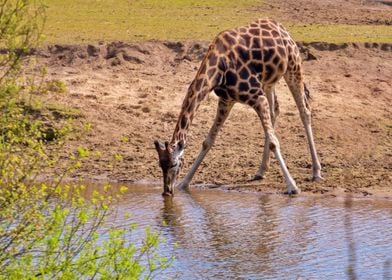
(242,65)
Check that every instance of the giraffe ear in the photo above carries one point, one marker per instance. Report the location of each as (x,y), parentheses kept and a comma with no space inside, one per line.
(167,145)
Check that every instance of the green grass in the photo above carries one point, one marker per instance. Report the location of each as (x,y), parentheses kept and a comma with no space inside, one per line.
(90,21)
(342,33)
(75,21)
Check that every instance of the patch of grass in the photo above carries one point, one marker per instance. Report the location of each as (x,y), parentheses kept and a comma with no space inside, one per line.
(339,33)
(85,21)
(63,111)
(50,110)
(90,21)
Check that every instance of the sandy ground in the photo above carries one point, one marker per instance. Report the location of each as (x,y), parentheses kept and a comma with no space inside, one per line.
(132,94)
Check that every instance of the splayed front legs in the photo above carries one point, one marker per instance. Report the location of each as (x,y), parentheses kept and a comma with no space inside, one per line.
(224,108)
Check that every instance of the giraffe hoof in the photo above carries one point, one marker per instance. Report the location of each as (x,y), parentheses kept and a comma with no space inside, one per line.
(167,194)
(183,185)
(293,191)
(317,178)
(257,177)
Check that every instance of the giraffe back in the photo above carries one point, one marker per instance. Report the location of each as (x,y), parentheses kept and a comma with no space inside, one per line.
(260,52)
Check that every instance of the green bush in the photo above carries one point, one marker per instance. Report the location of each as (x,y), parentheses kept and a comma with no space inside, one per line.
(57,234)
(50,229)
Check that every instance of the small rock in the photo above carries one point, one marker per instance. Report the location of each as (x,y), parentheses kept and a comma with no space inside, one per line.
(146,110)
(93,50)
(115,61)
(311,56)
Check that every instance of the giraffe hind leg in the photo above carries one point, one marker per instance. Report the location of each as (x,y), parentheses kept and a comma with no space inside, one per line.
(302,98)
(307,92)
(262,108)
(307,97)
(274,112)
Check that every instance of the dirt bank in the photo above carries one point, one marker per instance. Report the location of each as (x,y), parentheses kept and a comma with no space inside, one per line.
(132,93)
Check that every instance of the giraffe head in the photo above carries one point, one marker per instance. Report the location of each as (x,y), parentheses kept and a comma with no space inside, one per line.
(170,161)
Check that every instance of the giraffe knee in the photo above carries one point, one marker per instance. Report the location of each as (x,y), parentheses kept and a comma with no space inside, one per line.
(307,114)
(273,142)
(273,116)
(277,109)
(307,105)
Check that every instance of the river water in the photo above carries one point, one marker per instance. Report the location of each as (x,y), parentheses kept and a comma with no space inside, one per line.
(232,235)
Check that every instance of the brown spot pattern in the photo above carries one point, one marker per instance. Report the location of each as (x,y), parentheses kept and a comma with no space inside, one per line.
(238,63)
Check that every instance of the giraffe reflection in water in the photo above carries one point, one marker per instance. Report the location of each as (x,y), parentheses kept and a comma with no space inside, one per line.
(223,235)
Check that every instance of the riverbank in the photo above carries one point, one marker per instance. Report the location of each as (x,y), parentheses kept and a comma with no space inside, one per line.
(131,94)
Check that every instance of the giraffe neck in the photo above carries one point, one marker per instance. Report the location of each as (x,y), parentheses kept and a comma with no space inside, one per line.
(190,105)
(204,82)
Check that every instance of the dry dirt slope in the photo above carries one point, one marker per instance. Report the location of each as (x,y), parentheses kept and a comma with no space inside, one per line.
(132,93)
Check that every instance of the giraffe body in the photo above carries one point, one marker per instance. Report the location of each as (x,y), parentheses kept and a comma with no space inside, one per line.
(243,65)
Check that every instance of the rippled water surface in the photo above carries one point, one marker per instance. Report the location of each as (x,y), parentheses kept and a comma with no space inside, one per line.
(230,235)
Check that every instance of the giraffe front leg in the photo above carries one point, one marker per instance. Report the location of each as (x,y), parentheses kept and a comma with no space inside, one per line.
(262,109)
(274,112)
(224,108)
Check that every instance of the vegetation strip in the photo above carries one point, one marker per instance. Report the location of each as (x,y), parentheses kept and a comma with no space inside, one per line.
(73,22)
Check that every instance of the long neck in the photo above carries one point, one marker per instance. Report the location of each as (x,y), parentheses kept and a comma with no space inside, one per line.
(197,91)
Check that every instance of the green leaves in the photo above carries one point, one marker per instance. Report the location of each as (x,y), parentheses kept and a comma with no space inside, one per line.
(50,229)
(83,153)
(21,23)
(48,233)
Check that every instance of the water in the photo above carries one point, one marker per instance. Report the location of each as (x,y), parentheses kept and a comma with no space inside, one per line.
(230,235)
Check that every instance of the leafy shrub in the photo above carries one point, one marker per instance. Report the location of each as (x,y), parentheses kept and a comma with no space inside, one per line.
(49,229)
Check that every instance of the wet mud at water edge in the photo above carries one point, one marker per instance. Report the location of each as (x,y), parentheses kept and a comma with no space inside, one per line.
(231,235)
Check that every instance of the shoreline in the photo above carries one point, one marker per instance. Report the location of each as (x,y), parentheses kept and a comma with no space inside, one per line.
(131,95)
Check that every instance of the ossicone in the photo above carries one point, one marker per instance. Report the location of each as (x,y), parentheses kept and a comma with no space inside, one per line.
(181,144)
(158,145)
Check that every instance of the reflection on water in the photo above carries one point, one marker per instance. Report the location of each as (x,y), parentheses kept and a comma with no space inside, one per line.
(352,259)
(223,235)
